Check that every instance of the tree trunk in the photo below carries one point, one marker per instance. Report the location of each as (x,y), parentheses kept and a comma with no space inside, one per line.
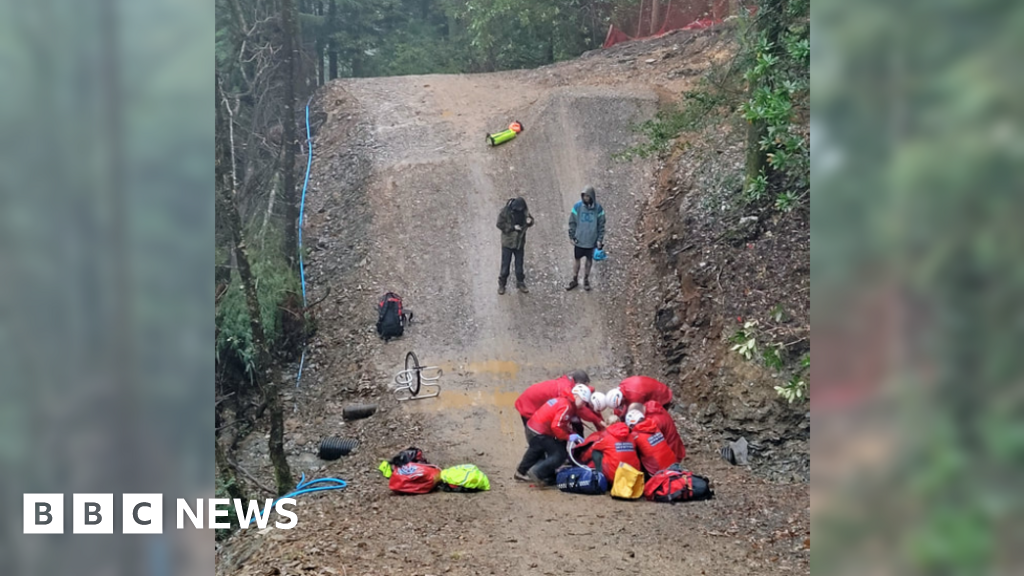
(226,474)
(769,24)
(655,16)
(291,248)
(756,158)
(282,472)
(550,56)
(320,63)
(332,56)
(640,21)
(269,386)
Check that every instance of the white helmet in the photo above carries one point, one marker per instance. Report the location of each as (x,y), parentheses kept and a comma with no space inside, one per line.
(582,392)
(597,401)
(633,417)
(613,399)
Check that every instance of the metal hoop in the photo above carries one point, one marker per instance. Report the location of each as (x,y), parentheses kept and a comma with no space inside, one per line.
(412,380)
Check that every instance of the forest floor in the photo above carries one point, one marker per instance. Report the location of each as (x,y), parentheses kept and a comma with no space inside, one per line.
(404,195)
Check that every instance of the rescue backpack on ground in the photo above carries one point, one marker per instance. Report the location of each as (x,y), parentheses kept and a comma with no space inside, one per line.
(414,478)
(579,480)
(628,483)
(675,485)
(391,318)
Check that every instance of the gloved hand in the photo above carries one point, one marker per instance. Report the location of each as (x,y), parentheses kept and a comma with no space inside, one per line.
(529,221)
(517,227)
(600,245)
(575,438)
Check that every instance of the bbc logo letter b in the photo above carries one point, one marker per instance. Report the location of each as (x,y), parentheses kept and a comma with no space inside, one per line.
(93,513)
(44,513)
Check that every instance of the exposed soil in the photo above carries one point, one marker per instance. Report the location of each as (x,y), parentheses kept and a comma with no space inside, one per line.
(404,196)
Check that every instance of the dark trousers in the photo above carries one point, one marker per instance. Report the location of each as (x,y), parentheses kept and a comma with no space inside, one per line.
(529,433)
(544,454)
(506,260)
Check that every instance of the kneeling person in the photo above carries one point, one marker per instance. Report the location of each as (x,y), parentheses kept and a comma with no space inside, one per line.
(552,429)
(614,447)
(655,453)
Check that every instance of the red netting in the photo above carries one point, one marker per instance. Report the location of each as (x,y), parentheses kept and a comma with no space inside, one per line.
(657,17)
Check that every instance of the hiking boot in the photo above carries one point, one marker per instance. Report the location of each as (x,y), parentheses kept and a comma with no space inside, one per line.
(586,284)
(501,289)
(536,480)
(522,287)
(572,284)
(521,477)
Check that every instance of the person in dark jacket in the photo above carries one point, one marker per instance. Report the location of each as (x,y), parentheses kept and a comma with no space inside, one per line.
(513,220)
(586,231)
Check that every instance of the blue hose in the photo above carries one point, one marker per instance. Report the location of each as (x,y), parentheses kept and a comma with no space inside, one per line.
(302,211)
(302,204)
(303,487)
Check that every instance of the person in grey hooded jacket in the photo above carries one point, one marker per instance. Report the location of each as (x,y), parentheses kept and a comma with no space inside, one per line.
(586,231)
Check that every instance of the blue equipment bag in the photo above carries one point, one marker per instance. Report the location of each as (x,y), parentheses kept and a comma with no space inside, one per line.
(578,480)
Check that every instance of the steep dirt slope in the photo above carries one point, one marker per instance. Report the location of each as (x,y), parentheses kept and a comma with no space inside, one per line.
(404,197)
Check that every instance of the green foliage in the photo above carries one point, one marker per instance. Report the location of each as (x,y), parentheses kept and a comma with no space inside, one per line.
(757,189)
(777,74)
(794,389)
(505,34)
(744,340)
(779,101)
(772,356)
(699,108)
(274,282)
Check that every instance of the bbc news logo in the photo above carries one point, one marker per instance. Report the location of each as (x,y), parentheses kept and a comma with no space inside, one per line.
(143,513)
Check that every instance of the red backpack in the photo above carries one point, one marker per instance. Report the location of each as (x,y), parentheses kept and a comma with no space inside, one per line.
(673,485)
(414,478)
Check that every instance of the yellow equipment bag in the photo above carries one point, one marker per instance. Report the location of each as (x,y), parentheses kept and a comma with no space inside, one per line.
(628,484)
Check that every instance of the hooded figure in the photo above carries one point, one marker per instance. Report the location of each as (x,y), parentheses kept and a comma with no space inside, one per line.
(586,231)
(513,220)
(655,453)
(667,426)
(614,447)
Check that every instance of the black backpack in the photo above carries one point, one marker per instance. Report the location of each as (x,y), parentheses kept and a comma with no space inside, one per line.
(390,316)
(410,454)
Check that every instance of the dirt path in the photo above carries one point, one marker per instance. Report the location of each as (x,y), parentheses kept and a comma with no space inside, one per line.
(417,216)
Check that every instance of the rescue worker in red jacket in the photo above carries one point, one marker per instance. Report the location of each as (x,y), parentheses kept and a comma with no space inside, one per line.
(538,394)
(614,447)
(638,390)
(549,429)
(655,454)
(667,426)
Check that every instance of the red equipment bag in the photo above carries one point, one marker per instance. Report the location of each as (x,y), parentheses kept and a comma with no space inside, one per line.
(414,478)
(677,486)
